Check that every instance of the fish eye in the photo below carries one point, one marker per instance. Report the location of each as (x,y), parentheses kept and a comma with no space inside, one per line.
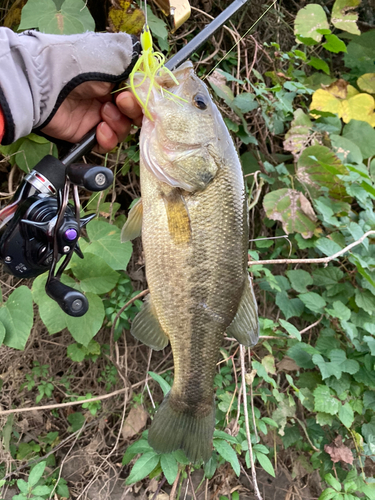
(200,101)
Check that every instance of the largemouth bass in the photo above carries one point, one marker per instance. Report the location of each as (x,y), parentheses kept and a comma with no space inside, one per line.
(195,237)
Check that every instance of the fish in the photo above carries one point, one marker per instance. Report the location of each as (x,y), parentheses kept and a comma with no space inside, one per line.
(193,219)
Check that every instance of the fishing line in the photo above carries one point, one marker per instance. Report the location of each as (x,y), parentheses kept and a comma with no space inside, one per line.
(242,37)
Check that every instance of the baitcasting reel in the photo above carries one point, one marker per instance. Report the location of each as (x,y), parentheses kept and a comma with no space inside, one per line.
(39,227)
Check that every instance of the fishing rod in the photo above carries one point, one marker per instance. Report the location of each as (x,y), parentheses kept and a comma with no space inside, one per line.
(39,227)
(89,140)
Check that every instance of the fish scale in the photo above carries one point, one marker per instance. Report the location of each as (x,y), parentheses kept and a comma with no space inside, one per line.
(195,241)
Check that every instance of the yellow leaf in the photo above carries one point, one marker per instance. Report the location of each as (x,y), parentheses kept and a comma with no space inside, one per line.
(359,107)
(126,16)
(351,91)
(367,83)
(323,100)
(339,88)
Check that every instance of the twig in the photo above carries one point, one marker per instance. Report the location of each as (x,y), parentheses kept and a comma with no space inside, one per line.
(174,487)
(323,260)
(252,407)
(312,326)
(63,405)
(160,485)
(306,434)
(244,395)
(51,452)
(65,458)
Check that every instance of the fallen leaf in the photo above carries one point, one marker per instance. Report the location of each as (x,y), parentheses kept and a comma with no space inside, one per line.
(249,377)
(287,365)
(339,452)
(134,422)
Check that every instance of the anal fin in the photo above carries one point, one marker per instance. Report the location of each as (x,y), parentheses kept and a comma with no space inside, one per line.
(147,329)
(133,226)
(245,326)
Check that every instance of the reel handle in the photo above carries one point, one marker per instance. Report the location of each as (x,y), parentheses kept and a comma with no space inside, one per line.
(71,301)
(91,178)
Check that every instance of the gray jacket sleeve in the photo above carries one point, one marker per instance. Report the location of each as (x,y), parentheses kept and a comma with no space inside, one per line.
(37,72)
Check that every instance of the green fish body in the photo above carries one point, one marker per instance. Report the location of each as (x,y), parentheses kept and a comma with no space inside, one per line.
(195,239)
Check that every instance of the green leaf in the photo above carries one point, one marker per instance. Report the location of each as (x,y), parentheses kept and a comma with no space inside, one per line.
(318,167)
(165,387)
(334,44)
(142,467)
(345,149)
(299,280)
(291,329)
(310,19)
(324,400)
(225,435)
(363,135)
(36,12)
(343,17)
(62,489)
(23,486)
(76,421)
(28,151)
(332,481)
(339,311)
(76,353)
(105,242)
(83,329)
(302,354)
(284,410)
(42,490)
(169,466)
(327,246)
(346,415)
(36,473)
(313,301)
(157,26)
(181,458)
(50,312)
(319,64)
(77,17)
(327,494)
(2,333)
(265,463)
(327,276)
(17,326)
(292,209)
(289,307)
(227,452)
(94,274)
(245,102)
(369,400)
(365,299)
(74,17)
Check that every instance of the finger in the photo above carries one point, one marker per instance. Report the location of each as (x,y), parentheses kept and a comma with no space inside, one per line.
(128,105)
(119,123)
(106,137)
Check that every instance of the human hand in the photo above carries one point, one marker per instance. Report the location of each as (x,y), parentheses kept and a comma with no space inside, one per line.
(61,84)
(90,104)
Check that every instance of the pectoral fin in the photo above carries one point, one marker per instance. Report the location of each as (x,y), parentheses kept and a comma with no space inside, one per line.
(178,217)
(133,226)
(147,329)
(245,327)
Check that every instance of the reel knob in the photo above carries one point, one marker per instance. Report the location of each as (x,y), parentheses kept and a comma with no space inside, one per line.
(91,178)
(71,301)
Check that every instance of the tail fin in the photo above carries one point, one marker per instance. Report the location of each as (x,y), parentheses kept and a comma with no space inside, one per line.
(171,430)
